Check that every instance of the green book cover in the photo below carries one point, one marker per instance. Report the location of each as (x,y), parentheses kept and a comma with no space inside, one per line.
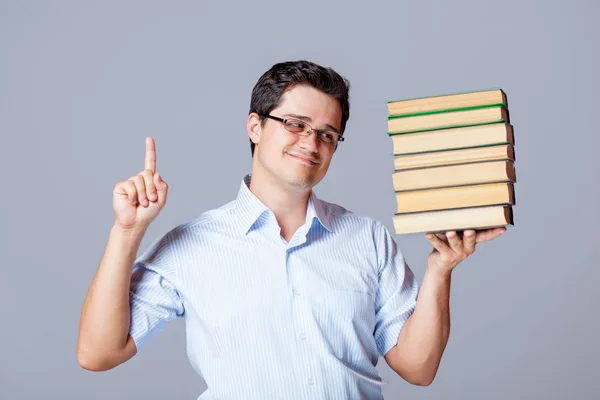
(447,110)
(507,120)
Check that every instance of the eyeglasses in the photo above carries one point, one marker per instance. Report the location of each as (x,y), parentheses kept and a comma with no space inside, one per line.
(303,129)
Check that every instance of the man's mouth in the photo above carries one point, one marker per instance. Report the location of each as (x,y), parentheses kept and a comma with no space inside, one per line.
(305,160)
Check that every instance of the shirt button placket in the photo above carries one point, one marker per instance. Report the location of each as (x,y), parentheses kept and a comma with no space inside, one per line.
(301,336)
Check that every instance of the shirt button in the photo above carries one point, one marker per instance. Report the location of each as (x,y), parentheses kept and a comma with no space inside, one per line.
(311,381)
(303,336)
(296,292)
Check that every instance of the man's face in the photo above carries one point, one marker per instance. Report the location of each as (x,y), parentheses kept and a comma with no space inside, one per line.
(292,160)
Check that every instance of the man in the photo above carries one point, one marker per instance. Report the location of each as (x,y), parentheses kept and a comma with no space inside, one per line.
(284,295)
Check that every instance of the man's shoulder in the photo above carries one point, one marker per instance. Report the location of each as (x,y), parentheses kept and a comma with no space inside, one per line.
(219,215)
(340,215)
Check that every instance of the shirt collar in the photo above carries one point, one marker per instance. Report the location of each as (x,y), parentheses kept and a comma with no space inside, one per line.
(316,209)
(250,208)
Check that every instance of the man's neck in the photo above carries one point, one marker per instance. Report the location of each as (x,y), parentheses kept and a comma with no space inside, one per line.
(289,204)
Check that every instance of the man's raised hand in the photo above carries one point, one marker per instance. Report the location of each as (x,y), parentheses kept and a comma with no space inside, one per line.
(138,200)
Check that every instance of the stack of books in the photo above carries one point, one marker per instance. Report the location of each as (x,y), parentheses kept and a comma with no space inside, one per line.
(454,162)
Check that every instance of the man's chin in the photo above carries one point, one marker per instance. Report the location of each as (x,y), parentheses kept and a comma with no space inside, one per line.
(305,182)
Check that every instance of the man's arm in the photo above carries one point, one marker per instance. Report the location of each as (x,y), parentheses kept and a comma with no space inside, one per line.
(104,340)
(423,338)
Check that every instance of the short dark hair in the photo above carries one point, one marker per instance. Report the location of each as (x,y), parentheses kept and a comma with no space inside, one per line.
(271,86)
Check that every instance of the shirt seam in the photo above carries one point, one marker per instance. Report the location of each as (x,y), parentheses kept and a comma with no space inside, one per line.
(177,272)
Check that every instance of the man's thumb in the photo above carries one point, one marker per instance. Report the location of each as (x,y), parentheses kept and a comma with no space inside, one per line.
(159,183)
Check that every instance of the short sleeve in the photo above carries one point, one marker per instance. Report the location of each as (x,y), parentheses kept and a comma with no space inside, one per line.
(396,296)
(153,295)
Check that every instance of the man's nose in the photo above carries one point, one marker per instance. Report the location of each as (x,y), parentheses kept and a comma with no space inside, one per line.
(310,142)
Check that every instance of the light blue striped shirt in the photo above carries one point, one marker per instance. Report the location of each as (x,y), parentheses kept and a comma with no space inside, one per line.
(268,319)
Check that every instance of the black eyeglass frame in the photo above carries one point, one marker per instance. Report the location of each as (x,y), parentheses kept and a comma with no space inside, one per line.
(307,133)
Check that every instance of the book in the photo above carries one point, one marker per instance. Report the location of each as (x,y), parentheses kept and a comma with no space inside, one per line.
(447,102)
(477,116)
(454,162)
(454,175)
(453,138)
(450,157)
(455,197)
(477,218)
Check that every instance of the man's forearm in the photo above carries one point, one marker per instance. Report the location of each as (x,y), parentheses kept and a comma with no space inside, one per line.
(105,316)
(425,334)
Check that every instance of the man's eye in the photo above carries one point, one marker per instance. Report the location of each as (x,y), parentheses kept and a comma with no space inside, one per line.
(327,136)
(296,125)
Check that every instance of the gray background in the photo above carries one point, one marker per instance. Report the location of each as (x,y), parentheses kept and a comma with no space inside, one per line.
(82,85)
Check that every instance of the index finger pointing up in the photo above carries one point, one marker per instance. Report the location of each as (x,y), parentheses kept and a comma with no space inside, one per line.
(150,162)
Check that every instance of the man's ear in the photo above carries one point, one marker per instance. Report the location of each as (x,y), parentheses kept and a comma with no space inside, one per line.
(254,127)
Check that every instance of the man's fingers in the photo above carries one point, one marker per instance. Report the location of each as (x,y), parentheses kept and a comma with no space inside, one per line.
(149,182)
(150,162)
(127,188)
(489,234)
(140,187)
(437,243)
(469,240)
(454,241)
(161,188)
